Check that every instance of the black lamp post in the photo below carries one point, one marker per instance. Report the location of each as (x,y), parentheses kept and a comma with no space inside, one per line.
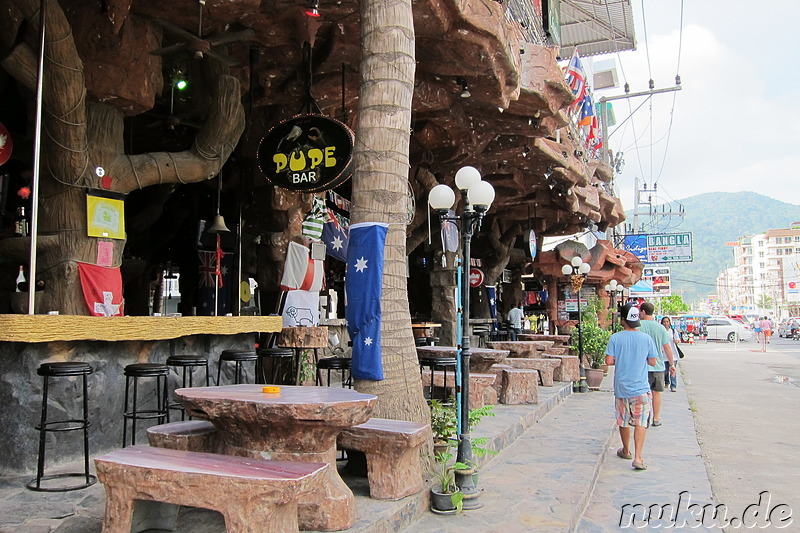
(615,291)
(479,195)
(577,269)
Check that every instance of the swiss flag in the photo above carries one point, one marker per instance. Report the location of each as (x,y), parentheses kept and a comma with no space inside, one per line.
(102,289)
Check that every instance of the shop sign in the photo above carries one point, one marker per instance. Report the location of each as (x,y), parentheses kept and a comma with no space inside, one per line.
(475,277)
(6,144)
(307,153)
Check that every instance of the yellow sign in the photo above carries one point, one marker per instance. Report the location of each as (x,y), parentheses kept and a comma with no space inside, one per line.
(244,291)
(105,217)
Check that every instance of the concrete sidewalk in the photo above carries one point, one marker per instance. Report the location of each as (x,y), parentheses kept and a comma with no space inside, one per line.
(564,475)
(556,471)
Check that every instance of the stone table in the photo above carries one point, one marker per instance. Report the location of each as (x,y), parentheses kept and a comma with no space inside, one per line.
(558,339)
(522,348)
(296,424)
(480,360)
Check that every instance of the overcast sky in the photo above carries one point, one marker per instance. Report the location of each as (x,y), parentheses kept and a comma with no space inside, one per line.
(735,124)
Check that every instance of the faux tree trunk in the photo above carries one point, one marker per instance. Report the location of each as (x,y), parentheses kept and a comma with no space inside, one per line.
(380,183)
(78,137)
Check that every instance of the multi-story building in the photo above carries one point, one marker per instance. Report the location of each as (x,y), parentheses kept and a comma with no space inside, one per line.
(766,273)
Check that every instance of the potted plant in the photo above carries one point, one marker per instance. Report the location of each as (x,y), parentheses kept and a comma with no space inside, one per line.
(443,426)
(445,496)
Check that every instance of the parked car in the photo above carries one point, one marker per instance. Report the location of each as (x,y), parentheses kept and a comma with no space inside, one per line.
(722,328)
(784,328)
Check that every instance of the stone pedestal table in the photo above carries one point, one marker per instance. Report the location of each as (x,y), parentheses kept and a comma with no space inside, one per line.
(522,348)
(480,359)
(296,424)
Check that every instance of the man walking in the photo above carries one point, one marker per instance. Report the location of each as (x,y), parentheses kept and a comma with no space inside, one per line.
(631,352)
(656,371)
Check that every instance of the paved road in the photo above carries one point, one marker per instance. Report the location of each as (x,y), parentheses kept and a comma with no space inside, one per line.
(745,404)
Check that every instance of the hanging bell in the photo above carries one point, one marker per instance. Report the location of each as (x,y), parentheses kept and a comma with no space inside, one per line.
(218,225)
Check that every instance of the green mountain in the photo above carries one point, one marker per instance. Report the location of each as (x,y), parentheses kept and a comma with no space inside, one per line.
(714,220)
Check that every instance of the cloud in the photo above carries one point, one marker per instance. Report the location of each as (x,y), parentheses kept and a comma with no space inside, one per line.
(731,129)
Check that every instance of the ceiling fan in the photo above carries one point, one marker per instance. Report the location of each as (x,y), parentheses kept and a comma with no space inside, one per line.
(199,45)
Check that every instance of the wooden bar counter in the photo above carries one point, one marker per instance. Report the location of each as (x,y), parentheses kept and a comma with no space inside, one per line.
(45,328)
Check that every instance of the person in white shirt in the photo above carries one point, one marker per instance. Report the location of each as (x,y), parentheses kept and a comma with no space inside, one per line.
(515,317)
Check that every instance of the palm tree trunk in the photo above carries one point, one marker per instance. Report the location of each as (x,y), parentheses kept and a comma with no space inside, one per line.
(380,183)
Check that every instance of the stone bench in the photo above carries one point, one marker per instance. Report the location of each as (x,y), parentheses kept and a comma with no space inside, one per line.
(557,350)
(522,348)
(190,436)
(392,449)
(478,383)
(517,387)
(568,370)
(544,366)
(253,495)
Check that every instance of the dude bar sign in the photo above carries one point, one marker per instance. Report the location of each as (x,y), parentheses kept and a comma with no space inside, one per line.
(308,153)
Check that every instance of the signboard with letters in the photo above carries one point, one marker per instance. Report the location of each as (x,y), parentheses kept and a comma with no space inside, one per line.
(655,282)
(791,279)
(307,153)
(660,247)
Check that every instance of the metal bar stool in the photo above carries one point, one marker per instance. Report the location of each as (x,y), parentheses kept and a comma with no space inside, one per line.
(188,364)
(58,370)
(238,357)
(438,363)
(132,373)
(278,358)
(335,363)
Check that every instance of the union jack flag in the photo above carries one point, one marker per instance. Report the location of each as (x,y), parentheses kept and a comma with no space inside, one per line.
(208,268)
(576,78)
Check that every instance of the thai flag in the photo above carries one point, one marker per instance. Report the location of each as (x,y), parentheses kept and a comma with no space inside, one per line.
(363,287)
(576,77)
(336,235)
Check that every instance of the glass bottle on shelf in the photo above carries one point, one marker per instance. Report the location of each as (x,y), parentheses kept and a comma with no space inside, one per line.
(21,282)
(21,228)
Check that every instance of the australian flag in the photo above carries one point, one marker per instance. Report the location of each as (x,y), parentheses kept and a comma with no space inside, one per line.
(363,287)
(335,235)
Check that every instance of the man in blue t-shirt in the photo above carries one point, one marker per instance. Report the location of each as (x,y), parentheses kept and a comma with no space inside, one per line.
(630,352)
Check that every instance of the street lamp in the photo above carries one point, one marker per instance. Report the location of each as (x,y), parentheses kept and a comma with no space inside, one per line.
(479,195)
(577,269)
(615,291)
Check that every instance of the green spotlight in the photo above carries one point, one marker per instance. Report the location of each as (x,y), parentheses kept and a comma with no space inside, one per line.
(180,84)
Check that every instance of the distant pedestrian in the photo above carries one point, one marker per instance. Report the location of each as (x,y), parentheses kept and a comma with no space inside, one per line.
(671,379)
(757,328)
(631,352)
(656,371)
(766,332)
(515,317)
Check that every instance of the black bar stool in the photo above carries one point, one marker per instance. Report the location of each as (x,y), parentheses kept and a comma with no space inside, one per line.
(160,412)
(335,363)
(238,357)
(279,357)
(188,364)
(59,370)
(438,363)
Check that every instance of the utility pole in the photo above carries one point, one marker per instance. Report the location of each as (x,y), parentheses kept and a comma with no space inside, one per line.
(604,153)
(604,112)
(644,196)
